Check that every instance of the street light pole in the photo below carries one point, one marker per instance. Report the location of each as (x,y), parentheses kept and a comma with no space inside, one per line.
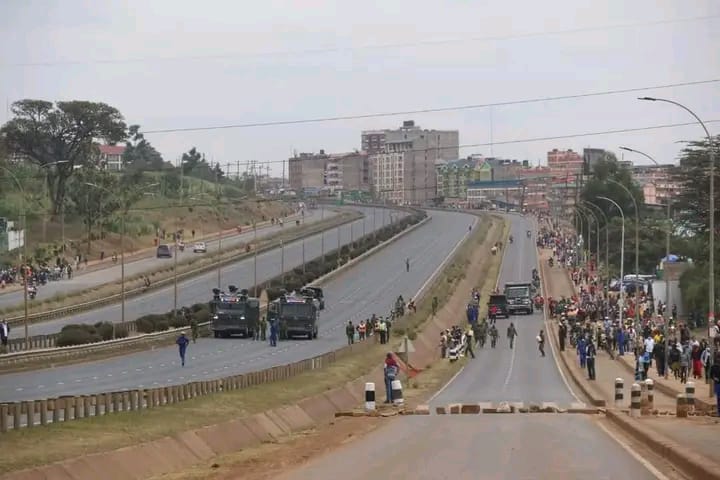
(282,262)
(668,233)
(322,234)
(607,242)
(711,214)
(637,249)
(622,256)
(597,234)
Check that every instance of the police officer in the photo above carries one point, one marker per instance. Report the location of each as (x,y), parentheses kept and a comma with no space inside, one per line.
(263,328)
(470,339)
(493,335)
(273,332)
(350,332)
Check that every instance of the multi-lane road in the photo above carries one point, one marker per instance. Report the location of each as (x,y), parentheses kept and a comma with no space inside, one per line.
(241,274)
(83,281)
(520,446)
(369,287)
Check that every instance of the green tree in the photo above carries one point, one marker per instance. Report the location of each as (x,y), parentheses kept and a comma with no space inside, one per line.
(64,132)
(140,154)
(598,185)
(94,205)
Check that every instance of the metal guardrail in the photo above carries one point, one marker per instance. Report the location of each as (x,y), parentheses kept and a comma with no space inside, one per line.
(110,299)
(45,344)
(30,413)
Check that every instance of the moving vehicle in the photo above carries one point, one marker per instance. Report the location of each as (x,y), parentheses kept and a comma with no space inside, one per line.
(298,315)
(200,247)
(163,251)
(234,313)
(499,301)
(519,297)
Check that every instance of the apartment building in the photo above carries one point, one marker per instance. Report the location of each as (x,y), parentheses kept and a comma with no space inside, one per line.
(403,170)
(331,172)
(657,182)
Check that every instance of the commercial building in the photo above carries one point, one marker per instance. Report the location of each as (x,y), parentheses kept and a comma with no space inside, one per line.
(403,170)
(657,182)
(566,161)
(453,176)
(329,172)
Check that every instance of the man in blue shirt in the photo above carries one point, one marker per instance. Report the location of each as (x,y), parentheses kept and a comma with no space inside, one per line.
(182,343)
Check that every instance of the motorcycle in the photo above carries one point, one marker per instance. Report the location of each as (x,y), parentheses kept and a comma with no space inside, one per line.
(32,292)
(551,262)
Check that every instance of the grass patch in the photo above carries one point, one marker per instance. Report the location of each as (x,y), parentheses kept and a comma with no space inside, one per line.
(207,261)
(97,434)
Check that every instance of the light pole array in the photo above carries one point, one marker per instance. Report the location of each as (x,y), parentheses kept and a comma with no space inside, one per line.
(607,240)
(711,226)
(622,255)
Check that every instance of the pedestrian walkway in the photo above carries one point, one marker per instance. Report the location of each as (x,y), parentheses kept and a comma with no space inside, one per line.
(699,434)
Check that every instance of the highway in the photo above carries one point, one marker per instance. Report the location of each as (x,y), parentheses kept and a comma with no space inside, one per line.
(198,289)
(369,287)
(82,281)
(509,446)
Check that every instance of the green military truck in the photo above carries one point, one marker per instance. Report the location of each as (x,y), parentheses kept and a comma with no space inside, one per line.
(234,313)
(519,297)
(297,316)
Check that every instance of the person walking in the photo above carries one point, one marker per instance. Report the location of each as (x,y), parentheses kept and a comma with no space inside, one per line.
(182,343)
(350,332)
(590,353)
(511,334)
(390,372)
(715,378)
(541,343)
(470,341)
(273,332)
(562,335)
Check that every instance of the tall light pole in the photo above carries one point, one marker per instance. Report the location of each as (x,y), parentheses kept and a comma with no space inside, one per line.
(607,240)
(668,233)
(282,262)
(254,225)
(580,218)
(24,267)
(322,234)
(586,206)
(123,218)
(597,233)
(711,226)
(622,255)
(637,248)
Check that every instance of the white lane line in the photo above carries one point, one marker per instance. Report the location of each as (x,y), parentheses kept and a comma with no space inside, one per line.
(510,369)
(447,384)
(645,463)
(548,327)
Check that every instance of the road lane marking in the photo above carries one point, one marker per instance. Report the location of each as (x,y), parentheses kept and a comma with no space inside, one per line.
(510,369)
(645,463)
(447,384)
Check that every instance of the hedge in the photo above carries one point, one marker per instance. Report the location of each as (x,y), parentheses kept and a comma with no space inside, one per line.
(200,312)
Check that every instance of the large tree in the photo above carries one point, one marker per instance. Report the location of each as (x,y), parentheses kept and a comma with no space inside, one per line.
(599,185)
(60,136)
(94,195)
(139,154)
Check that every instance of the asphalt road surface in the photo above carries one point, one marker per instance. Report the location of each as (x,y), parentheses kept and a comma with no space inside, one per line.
(501,446)
(370,287)
(83,281)
(241,274)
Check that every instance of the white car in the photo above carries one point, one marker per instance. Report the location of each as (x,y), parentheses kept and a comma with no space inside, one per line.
(200,247)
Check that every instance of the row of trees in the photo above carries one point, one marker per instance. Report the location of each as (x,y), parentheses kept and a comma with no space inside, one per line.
(62,136)
(690,218)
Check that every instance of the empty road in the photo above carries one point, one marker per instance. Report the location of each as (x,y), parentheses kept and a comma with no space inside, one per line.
(370,287)
(509,446)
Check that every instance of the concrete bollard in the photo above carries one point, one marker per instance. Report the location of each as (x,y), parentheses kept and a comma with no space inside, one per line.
(690,395)
(635,394)
(141,398)
(133,400)
(650,394)
(56,403)
(369,397)
(17,415)
(108,403)
(681,406)
(397,394)
(87,404)
(79,411)
(4,418)
(43,412)
(619,385)
(29,413)
(116,402)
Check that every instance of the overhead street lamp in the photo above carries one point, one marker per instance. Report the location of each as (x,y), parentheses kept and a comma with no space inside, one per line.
(607,240)
(668,233)
(23,266)
(597,242)
(580,217)
(711,226)
(622,255)
(597,233)
(123,218)
(637,247)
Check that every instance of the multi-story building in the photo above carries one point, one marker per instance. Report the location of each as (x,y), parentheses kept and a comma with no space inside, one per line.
(332,172)
(657,182)
(373,141)
(110,157)
(403,171)
(453,176)
(565,161)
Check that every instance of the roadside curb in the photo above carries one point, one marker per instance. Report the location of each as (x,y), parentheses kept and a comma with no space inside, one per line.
(687,461)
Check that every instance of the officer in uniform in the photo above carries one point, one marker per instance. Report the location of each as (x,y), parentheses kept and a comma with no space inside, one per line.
(263,328)
(482,332)
(283,329)
(256,328)
(493,335)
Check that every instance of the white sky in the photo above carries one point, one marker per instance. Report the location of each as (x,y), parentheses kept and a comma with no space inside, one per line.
(244,87)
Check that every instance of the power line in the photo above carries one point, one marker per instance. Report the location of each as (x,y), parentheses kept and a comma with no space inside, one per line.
(429,110)
(422,43)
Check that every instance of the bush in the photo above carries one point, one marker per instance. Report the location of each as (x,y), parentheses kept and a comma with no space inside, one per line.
(177,321)
(76,336)
(145,324)
(121,331)
(202,316)
(162,325)
(104,330)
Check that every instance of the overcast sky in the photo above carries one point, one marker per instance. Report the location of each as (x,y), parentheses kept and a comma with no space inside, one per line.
(286,60)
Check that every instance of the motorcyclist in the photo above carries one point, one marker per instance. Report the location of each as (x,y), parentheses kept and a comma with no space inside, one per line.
(529,234)
(511,239)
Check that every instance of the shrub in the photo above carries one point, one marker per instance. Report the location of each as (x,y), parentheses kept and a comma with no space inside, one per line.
(202,316)
(145,324)
(178,321)
(104,330)
(162,325)
(121,331)
(76,336)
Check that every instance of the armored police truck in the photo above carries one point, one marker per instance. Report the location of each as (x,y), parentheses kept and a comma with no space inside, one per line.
(234,313)
(297,315)
(519,297)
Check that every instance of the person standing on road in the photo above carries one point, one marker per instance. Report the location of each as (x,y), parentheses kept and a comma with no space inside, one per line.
(590,353)
(715,378)
(182,343)
(511,334)
(273,332)
(390,371)
(541,343)
(493,335)
(562,335)
(470,340)
(407,264)
(350,332)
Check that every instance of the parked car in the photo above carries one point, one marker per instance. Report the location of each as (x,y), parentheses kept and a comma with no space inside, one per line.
(163,251)
(200,247)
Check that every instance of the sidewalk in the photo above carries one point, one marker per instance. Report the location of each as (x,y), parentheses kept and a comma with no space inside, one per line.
(149,252)
(697,434)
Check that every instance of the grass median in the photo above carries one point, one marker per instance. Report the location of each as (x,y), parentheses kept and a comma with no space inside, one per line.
(42,445)
(135,282)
